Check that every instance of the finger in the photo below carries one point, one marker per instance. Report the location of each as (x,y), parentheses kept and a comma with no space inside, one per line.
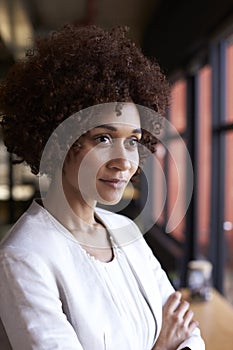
(192,325)
(188,317)
(182,308)
(173,301)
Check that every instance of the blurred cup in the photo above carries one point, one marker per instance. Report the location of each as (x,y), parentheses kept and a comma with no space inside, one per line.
(200,279)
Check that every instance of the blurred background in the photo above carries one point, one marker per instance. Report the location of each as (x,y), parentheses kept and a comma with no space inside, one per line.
(193,42)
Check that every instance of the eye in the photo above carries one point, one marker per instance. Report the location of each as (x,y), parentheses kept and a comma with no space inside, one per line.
(132,142)
(103,139)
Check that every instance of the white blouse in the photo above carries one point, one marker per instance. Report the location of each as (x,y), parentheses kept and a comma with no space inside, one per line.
(128,303)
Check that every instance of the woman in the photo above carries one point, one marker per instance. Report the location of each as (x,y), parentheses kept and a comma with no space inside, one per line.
(74,276)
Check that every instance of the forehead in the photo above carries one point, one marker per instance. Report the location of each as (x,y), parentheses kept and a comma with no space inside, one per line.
(122,113)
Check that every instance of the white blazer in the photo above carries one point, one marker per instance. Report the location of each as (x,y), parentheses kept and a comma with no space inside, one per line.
(47,300)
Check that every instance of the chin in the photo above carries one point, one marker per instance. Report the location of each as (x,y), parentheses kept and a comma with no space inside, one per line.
(110,201)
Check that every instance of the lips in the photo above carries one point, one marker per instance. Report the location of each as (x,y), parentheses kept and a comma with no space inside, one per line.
(114,182)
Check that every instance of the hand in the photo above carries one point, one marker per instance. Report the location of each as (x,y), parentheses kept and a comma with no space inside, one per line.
(177,323)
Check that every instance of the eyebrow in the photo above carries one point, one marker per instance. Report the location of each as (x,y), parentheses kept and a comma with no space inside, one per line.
(112,128)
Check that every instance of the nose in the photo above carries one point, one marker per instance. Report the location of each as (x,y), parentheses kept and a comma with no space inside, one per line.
(122,158)
(121,164)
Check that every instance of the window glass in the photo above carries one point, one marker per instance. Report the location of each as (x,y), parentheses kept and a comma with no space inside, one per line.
(177,110)
(228,183)
(176,177)
(159,187)
(204,157)
(15,195)
(4,179)
(176,189)
(228,217)
(229,81)
(24,183)
(4,185)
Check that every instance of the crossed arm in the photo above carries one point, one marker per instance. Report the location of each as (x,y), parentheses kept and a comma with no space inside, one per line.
(177,324)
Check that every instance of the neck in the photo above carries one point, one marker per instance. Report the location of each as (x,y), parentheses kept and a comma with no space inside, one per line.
(67,206)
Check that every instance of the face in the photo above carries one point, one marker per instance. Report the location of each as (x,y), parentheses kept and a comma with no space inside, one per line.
(107,158)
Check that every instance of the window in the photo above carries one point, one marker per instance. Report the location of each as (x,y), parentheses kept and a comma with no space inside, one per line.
(228,174)
(169,169)
(17,188)
(177,112)
(203,183)
(176,190)
(229,80)
(176,168)
(206,97)
(221,231)
(228,217)
(159,188)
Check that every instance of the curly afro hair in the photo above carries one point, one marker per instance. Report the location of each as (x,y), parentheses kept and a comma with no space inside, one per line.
(72,69)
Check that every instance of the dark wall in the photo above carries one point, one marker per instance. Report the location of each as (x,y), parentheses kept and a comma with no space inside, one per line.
(178,29)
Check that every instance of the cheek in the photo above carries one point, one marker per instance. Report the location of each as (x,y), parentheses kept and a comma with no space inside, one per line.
(88,169)
(137,159)
(91,163)
(70,170)
(135,167)
(134,160)
(80,166)
(94,162)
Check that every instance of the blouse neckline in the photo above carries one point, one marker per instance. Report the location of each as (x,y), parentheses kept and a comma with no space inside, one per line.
(63,230)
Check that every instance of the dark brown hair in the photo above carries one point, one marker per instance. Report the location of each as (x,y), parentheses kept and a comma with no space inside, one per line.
(72,69)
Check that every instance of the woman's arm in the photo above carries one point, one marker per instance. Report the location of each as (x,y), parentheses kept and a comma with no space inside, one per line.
(177,318)
(177,324)
(30,308)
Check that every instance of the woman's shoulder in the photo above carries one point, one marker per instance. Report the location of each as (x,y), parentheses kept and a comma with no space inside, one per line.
(33,230)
